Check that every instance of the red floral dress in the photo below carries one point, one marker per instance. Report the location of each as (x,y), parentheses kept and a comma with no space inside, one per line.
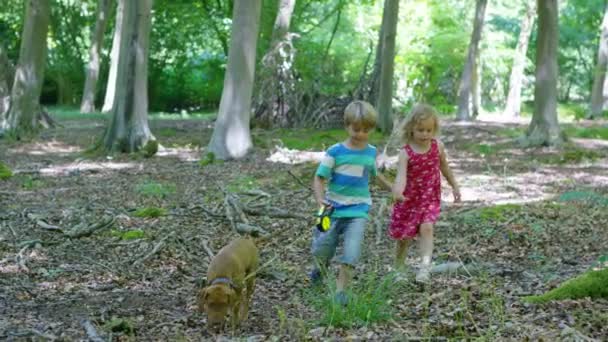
(422,194)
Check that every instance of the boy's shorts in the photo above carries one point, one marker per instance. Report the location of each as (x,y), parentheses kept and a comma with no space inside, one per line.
(324,243)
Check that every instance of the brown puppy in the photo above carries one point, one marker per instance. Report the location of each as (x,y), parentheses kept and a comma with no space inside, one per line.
(229,286)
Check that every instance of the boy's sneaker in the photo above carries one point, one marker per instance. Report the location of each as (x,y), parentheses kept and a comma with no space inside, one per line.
(341,298)
(315,276)
(424,275)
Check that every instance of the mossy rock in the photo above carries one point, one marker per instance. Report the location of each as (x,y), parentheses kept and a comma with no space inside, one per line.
(150,212)
(5,171)
(591,284)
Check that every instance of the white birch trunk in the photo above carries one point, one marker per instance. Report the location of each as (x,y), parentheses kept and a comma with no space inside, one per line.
(109,99)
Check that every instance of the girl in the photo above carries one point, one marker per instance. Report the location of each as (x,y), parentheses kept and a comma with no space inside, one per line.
(417,187)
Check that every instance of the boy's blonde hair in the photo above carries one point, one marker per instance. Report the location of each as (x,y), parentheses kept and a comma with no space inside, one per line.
(360,112)
(419,113)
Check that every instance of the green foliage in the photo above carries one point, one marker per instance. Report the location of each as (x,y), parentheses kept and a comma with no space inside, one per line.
(572,155)
(595,132)
(150,212)
(308,139)
(5,171)
(150,149)
(208,159)
(31,183)
(590,284)
(120,325)
(153,189)
(368,302)
(243,183)
(129,235)
(498,212)
(583,196)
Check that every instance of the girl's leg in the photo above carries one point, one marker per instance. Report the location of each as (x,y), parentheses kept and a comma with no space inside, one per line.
(401,248)
(426,251)
(344,277)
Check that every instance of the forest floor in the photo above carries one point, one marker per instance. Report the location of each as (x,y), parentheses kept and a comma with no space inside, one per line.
(530,219)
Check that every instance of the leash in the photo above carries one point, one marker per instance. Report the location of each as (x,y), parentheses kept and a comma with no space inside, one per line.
(273,258)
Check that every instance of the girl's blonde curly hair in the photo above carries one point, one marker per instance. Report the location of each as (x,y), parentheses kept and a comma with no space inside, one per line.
(419,113)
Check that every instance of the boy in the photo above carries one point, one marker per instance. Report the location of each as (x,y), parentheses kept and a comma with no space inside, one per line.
(346,167)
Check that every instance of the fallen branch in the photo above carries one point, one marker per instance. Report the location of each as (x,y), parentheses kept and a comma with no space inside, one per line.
(248,229)
(91,331)
(47,226)
(207,249)
(272,212)
(158,247)
(83,229)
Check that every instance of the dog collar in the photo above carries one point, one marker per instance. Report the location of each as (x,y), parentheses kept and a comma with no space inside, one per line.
(223,281)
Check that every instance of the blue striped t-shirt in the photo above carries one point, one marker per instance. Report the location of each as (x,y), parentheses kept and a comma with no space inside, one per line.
(347,172)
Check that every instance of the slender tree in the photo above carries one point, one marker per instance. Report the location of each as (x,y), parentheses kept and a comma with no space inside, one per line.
(544,128)
(276,75)
(92,73)
(385,97)
(374,80)
(466,80)
(109,99)
(599,93)
(6,75)
(231,138)
(128,130)
(24,113)
(513,105)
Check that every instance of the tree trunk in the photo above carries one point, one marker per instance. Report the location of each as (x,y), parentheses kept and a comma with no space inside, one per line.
(109,99)
(385,96)
(544,128)
(92,73)
(466,81)
(276,76)
(374,81)
(129,130)
(6,75)
(513,105)
(231,136)
(25,108)
(476,88)
(599,100)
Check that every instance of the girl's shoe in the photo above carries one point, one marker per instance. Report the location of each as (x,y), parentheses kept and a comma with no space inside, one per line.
(341,298)
(424,275)
(315,276)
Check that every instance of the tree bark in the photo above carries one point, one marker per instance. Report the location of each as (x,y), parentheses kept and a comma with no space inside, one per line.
(231,138)
(6,76)
(92,73)
(385,96)
(599,97)
(109,99)
(513,105)
(128,130)
(544,128)
(276,76)
(25,108)
(466,81)
(374,81)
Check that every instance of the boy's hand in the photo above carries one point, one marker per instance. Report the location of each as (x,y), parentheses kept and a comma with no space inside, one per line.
(456,193)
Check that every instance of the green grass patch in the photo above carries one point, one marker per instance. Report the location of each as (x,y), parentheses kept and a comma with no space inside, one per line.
(153,189)
(73,113)
(571,155)
(243,183)
(594,132)
(129,235)
(31,183)
(590,284)
(583,196)
(499,212)
(208,159)
(150,212)
(511,132)
(368,302)
(5,171)
(566,112)
(308,139)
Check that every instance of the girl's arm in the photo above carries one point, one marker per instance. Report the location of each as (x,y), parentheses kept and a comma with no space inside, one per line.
(401,178)
(318,186)
(446,171)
